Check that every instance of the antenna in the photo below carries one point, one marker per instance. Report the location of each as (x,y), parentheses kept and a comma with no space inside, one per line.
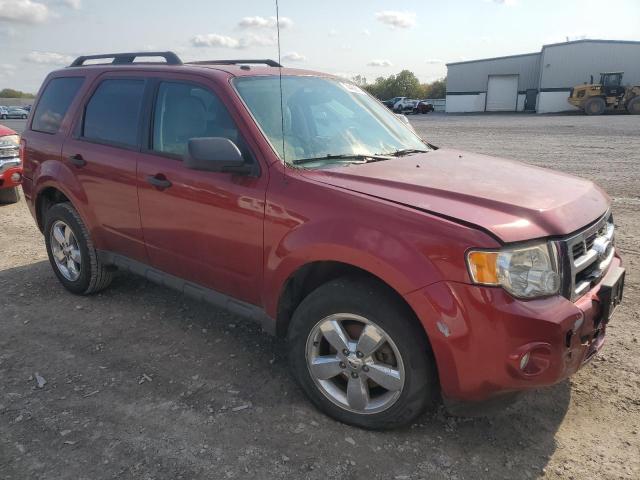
(284,153)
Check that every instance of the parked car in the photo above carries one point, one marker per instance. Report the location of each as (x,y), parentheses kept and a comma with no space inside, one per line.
(392,102)
(422,106)
(10,166)
(16,112)
(3,112)
(397,271)
(405,105)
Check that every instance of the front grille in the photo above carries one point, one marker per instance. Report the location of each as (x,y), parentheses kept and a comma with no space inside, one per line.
(9,152)
(586,256)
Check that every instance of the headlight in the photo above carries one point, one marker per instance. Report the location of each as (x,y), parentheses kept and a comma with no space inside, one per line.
(524,272)
(10,141)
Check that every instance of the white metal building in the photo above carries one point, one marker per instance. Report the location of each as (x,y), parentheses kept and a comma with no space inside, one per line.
(538,81)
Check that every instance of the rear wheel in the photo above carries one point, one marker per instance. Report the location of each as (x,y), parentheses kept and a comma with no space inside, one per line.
(9,195)
(4,117)
(360,355)
(595,106)
(71,252)
(633,106)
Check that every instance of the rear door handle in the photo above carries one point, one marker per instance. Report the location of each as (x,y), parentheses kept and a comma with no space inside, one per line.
(77,160)
(158,181)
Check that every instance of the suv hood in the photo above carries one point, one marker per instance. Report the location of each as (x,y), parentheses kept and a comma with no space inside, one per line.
(513,201)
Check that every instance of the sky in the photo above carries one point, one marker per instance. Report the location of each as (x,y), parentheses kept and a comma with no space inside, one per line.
(372,38)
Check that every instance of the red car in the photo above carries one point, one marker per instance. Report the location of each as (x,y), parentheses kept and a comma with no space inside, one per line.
(397,271)
(10,166)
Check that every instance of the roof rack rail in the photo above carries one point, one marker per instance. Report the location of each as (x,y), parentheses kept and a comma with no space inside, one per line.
(129,57)
(270,63)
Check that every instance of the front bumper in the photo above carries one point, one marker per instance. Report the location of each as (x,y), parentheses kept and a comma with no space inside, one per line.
(480,334)
(8,168)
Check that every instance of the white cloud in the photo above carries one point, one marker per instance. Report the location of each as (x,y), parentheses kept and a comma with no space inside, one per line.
(214,40)
(264,22)
(23,11)
(294,57)
(379,63)
(333,32)
(508,3)
(434,61)
(397,19)
(75,4)
(223,41)
(48,58)
(366,32)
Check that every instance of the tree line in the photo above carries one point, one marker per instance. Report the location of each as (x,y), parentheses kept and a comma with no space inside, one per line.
(404,84)
(11,93)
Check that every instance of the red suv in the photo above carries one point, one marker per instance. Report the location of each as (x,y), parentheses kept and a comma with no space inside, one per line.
(399,272)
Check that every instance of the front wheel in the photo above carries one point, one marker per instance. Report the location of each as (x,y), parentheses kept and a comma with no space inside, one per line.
(360,355)
(71,252)
(595,106)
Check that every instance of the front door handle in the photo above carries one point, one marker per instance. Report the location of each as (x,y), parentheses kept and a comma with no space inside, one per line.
(159,181)
(77,160)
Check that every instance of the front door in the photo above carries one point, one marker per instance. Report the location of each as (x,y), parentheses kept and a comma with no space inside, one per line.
(201,226)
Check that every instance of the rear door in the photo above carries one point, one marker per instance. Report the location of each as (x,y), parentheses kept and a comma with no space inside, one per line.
(102,153)
(201,226)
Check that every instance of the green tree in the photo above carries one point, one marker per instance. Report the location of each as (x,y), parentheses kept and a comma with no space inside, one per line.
(437,89)
(11,93)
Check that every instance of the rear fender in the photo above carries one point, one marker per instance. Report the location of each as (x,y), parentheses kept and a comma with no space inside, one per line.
(55,174)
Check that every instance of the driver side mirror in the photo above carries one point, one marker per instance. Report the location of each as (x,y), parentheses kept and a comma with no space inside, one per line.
(215,154)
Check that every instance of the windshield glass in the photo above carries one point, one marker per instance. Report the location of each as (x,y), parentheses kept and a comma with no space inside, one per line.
(323,117)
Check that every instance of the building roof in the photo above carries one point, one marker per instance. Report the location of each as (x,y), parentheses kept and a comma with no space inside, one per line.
(493,58)
(560,44)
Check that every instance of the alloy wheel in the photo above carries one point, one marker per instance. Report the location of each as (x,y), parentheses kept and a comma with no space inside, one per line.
(354,363)
(65,251)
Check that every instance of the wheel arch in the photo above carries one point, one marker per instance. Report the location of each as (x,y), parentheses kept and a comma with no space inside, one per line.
(45,199)
(312,275)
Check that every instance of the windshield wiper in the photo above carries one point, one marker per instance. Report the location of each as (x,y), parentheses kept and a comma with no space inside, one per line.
(406,151)
(346,157)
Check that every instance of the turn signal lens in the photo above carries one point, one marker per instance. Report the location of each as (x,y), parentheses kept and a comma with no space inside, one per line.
(483,267)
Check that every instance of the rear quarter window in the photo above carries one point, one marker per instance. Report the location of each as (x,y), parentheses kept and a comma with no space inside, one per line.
(54,103)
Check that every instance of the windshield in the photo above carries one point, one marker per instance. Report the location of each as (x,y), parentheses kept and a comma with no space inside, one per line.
(324,117)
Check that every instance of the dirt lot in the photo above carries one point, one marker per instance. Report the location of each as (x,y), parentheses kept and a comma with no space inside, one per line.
(145,384)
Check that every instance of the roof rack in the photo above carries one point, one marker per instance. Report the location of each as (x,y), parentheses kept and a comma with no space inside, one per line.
(270,63)
(130,57)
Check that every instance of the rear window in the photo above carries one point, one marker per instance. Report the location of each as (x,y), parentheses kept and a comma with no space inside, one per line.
(54,103)
(113,114)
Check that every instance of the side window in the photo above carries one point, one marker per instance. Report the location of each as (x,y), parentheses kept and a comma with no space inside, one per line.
(184,111)
(54,103)
(113,112)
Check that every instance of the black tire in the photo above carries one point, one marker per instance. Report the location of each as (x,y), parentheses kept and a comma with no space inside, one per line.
(366,298)
(595,106)
(4,117)
(633,106)
(9,195)
(94,275)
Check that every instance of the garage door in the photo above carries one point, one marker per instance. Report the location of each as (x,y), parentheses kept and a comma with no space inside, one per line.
(502,93)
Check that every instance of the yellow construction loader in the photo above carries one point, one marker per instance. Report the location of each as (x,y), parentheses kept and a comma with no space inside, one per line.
(608,95)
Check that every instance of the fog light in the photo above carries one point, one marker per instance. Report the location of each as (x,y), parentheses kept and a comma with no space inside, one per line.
(524,361)
(15,177)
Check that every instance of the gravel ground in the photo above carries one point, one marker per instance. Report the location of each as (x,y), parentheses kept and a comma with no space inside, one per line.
(143,383)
